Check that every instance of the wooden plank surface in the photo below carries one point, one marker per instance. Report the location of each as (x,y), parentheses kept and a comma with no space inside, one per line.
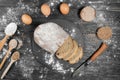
(35,63)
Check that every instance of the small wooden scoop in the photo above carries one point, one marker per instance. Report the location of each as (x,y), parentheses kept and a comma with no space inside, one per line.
(9,31)
(12,45)
(15,56)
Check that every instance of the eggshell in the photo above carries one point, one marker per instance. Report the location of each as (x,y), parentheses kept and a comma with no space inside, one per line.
(64,8)
(26,19)
(45,9)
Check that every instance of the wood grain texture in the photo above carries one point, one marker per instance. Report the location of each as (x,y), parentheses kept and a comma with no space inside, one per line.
(106,67)
(3,41)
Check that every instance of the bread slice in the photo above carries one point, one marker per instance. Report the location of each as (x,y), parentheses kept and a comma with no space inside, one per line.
(65,48)
(76,57)
(73,52)
(69,50)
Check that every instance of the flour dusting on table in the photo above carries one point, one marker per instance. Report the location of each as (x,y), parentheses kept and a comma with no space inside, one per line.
(27,63)
(56,65)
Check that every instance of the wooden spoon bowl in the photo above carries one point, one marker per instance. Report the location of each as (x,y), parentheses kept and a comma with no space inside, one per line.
(13,43)
(15,56)
(9,31)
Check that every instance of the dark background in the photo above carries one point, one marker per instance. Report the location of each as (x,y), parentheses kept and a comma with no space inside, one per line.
(34,63)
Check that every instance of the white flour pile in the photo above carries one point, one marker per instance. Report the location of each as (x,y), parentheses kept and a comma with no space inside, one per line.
(10,29)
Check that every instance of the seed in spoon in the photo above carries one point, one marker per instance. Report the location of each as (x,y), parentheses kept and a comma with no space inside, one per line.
(15,56)
(12,45)
(9,31)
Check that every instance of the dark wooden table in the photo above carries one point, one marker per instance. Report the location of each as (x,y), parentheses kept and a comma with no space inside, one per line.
(35,64)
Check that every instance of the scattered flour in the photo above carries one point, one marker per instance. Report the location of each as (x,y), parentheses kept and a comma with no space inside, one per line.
(13,13)
(26,65)
(56,65)
(49,59)
(20,43)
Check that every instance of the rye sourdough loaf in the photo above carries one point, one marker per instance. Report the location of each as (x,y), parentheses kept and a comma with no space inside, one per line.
(50,36)
(54,39)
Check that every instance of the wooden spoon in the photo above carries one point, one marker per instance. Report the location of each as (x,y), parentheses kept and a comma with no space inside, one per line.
(15,56)
(12,45)
(9,31)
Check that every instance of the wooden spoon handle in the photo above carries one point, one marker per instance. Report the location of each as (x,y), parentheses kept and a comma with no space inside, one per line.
(3,41)
(99,51)
(6,70)
(5,58)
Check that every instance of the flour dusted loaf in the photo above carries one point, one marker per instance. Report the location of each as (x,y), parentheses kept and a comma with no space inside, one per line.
(50,36)
(54,39)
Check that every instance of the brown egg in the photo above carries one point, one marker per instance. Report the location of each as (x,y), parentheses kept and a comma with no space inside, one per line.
(26,19)
(64,8)
(45,9)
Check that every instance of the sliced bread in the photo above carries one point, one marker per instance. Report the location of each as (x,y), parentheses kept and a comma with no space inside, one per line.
(67,45)
(76,57)
(73,52)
